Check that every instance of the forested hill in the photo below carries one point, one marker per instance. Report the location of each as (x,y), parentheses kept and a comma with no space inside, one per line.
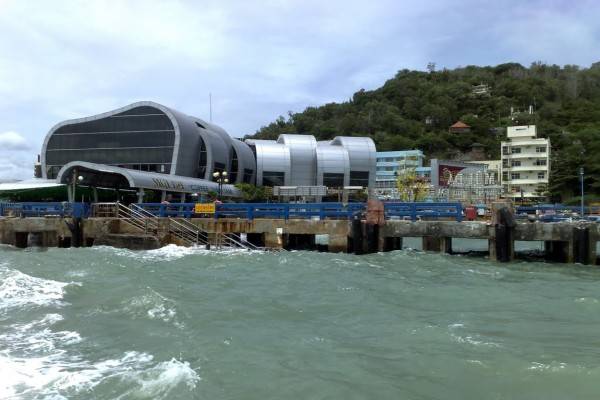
(415,108)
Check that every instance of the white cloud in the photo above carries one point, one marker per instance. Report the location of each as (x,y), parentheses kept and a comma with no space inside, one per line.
(12,141)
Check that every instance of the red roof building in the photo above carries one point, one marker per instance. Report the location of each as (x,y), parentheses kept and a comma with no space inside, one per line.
(459,127)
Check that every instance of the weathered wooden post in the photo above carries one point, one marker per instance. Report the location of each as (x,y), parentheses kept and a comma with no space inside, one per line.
(357,235)
(375,220)
(501,243)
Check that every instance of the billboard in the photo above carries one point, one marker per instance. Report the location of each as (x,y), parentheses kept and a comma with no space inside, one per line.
(444,171)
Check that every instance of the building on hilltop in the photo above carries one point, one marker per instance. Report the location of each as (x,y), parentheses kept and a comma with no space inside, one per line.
(481,90)
(525,164)
(459,127)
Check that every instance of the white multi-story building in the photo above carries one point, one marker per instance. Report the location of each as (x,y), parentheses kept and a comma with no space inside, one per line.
(525,163)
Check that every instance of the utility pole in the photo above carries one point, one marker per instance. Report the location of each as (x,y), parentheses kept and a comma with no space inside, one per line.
(582,196)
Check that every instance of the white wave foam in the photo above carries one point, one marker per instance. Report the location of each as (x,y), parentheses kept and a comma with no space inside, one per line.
(468,339)
(18,289)
(152,305)
(157,382)
(37,362)
(61,377)
(172,252)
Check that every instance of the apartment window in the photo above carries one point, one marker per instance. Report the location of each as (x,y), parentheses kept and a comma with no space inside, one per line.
(540,149)
(515,150)
(540,162)
(505,176)
(505,163)
(515,175)
(541,175)
(515,163)
(505,150)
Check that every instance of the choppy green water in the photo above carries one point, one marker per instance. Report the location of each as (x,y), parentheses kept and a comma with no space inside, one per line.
(176,323)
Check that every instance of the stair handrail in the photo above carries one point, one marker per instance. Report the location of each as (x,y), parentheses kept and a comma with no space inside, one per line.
(190,234)
(136,218)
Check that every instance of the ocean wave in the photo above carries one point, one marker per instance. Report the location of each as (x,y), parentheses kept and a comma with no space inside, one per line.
(172,252)
(152,305)
(38,362)
(58,376)
(19,289)
(474,340)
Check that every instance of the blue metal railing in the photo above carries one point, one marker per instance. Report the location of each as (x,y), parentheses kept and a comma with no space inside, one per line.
(286,211)
(424,210)
(60,209)
(250,211)
(557,208)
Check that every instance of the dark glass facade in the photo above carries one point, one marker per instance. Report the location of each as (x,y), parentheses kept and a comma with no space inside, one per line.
(141,138)
(273,178)
(333,179)
(359,178)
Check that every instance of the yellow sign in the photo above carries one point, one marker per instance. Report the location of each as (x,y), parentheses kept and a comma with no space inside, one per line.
(204,208)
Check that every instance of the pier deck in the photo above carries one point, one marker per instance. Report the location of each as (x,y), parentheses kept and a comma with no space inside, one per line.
(564,241)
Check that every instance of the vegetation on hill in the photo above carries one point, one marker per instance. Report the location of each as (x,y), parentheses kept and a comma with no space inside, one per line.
(415,108)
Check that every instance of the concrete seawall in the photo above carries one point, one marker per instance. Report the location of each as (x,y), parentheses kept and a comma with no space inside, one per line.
(564,242)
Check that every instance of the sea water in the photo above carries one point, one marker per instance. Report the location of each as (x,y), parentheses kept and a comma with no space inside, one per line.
(180,323)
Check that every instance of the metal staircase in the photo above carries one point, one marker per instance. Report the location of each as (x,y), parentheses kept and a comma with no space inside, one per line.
(181,229)
(192,235)
(137,219)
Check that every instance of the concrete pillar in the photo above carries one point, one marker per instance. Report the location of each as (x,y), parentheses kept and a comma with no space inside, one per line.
(140,195)
(501,244)
(338,243)
(274,241)
(163,196)
(593,256)
(358,243)
(584,247)
(95,190)
(35,239)
(558,251)
(372,231)
(570,251)
(70,193)
(391,243)
(438,244)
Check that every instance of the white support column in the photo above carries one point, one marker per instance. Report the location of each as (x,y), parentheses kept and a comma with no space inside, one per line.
(140,194)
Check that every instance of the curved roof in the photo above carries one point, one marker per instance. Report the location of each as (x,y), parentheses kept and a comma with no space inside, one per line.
(245,160)
(271,156)
(174,116)
(332,160)
(100,175)
(303,161)
(188,132)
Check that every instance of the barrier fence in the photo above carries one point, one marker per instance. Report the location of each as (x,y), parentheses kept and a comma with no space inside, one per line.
(40,209)
(250,211)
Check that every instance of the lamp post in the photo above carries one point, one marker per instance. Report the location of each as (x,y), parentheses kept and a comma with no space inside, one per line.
(220,178)
(582,195)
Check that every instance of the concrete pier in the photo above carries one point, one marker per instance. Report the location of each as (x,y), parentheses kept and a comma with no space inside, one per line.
(564,242)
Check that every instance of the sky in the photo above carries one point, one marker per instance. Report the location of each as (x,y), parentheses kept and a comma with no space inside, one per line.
(259,59)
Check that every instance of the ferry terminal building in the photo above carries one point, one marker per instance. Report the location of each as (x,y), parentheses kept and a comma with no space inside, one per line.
(147,146)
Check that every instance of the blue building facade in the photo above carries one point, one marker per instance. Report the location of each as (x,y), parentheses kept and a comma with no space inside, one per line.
(389,163)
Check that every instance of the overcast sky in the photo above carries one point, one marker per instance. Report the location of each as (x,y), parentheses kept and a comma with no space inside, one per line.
(259,59)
